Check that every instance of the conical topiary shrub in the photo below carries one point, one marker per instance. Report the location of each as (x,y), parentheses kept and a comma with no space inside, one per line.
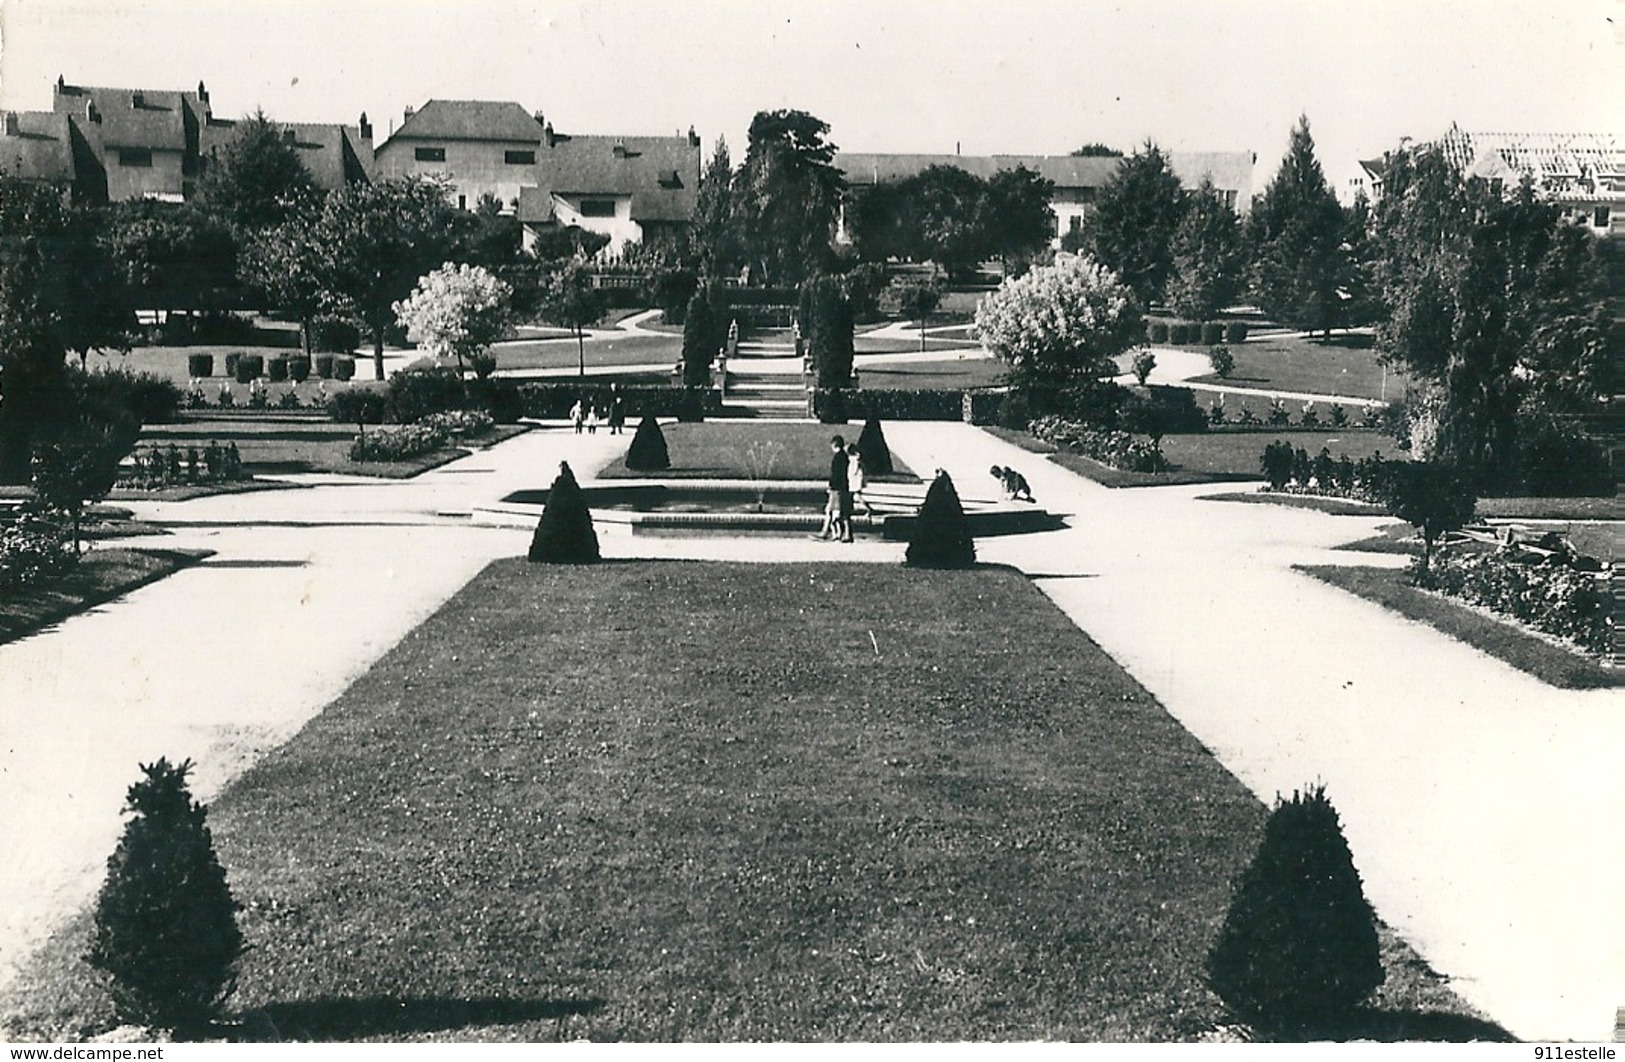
(941,537)
(648,450)
(166,923)
(1298,951)
(873,450)
(564,534)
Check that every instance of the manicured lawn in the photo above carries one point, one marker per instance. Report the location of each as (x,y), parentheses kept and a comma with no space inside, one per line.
(1553,508)
(1211,457)
(714,450)
(956,374)
(626,349)
(673,801)
(1345,366)
(910,345)
(1502,639)
(270,446)
(1330,506)
(100,576)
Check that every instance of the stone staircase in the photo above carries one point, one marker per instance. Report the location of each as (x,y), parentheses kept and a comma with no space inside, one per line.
(774,396)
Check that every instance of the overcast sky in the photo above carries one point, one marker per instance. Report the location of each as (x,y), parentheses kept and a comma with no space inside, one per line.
(887,75)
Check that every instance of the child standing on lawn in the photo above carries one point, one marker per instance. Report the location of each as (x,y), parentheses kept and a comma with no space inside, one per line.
(857,479)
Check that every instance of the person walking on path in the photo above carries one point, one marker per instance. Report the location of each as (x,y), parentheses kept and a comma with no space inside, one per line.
(838,507)
(857,480)
(592,419)
(578,415)
(617,413)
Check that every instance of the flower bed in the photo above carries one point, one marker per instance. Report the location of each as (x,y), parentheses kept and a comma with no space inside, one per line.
(32,549)
(1552,598)
(156,468)
(469,423)
(1117,449)
(397,442)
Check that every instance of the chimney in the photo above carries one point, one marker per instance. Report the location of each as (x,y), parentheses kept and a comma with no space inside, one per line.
(408,117)
(693,137)
(288,136)
(61,84)
(547,133)
(137,101)
(540,118)
(366,127)
(620,149)
(202,93)
(91,113)
(11,124)
(956,147)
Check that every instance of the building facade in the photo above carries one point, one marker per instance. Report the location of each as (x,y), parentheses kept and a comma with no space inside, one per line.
(482,148)
(632,189)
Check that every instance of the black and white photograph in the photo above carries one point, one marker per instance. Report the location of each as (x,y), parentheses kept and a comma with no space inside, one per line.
(822,521)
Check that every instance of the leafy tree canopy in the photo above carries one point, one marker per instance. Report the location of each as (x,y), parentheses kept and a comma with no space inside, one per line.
(1208,257)
(1061,324)
(787,196)
(1301,266)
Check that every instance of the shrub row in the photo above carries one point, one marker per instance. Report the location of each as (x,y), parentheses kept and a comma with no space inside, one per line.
(246,367)
(1118,449)
(1279,416)
(837,406)
(1293,471)
(397,442)
(1189,333)
(1553,598)
(172,467)
(259,397)
(143,396)
(32,549)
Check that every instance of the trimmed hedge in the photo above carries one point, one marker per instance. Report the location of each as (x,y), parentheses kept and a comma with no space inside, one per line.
(199,365)
(250,367)
(1235,331)
(299,369)
(1156,331)
(343,368)
(837,406)
(324,366)
(1207,333)
(277,369)
(550,401)
(1212,332)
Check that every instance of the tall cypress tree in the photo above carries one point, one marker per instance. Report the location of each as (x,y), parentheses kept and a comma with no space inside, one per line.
(1207,257)
(1296,234)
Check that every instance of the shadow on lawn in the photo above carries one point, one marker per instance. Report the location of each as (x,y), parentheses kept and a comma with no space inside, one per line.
(355,1019)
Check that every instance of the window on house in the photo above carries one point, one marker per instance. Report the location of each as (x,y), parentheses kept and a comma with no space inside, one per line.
(1230,198)
(135,157)
(598,208)
(462,202)
(519,158)
(429,154)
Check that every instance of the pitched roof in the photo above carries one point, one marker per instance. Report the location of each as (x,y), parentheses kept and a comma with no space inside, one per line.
(1229,169)
(333,154)
(40,149)
(660,173)
(535,206)
(468,120)
(132,118)
(1573,164)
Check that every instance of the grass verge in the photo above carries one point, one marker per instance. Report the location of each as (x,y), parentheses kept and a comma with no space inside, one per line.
(1330,506)
(720,450)
(1500,638)
(1347,365)
(99,577)
(268,447)
(672,801)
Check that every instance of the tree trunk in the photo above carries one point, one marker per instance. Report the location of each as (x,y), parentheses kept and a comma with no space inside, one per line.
(581,354)
(304,334)
(378,353)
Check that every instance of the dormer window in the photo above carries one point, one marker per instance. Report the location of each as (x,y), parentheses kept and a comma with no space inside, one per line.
(519,158)
(429,154)
(598,208)
(671,179)
(139,158)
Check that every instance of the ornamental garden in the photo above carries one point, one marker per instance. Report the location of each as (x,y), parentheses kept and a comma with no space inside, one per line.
(890,795)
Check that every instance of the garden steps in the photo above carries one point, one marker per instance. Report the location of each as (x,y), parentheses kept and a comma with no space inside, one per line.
(767,395)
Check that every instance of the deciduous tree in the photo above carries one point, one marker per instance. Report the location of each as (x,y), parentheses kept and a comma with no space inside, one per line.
(457,309)
(257,179)
(787,195)
(570,301)
(1017,218)
(1060,325)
